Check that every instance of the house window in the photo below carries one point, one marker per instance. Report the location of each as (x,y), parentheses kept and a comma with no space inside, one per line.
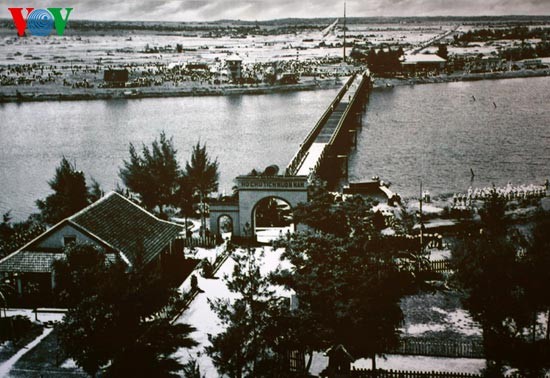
(69,239)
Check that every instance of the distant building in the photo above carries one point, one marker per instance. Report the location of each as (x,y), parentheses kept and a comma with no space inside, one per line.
(113,223)
(492,62)
(343,69)
(197,66)
(422,62)
(234,65)
(531,63)
(115,78)
(288,78)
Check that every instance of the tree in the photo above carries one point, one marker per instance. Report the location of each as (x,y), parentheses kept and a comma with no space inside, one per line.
(242,350)
(503,276)
(185,198)
(94,191)
(442,51)
(5,290)
(327,213)
(108,319)
(191,369)
(79,275)
(154,174)
(538,262)
(203,175)
(70,194)
(346,277)
(14,235)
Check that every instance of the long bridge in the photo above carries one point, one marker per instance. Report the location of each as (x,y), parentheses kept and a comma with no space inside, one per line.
(323,154)
(334,133)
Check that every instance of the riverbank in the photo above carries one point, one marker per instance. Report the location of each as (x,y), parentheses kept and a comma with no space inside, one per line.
(446,78)
(57,93)
(61,93)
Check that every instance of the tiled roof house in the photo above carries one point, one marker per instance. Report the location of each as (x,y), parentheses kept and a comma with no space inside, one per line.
(113,223)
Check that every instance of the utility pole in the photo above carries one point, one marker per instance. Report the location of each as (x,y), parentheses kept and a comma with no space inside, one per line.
(344,32)
(421,222)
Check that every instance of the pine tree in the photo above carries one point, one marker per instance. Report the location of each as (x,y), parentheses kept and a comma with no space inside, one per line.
(347,279)
(242,350)
(70,194)
(154,174)
(203,176)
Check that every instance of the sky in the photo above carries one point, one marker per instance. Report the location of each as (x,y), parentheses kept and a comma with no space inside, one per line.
(210,10)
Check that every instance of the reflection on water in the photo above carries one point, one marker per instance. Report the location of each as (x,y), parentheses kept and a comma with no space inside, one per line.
(438,132)
(243,132)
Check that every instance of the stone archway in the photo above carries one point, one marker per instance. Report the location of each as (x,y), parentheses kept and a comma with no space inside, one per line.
(226,226)
(271,217)
(253,189)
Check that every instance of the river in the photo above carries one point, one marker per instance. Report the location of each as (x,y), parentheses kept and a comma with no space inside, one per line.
(243,132)
(432,132)
(436,133)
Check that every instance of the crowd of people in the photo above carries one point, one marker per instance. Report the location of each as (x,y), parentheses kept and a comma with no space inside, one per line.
(508,192)
(157,73)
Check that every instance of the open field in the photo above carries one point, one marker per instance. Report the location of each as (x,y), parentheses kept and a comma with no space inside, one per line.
(157,54)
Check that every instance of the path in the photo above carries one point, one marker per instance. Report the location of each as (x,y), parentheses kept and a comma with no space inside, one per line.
(7,365)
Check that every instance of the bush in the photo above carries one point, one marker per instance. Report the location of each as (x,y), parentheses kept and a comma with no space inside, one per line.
(14,327)
(207,269)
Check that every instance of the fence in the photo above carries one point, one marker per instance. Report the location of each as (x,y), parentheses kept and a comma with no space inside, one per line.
(203,242)
(459,349)
(440,266)
(364,373)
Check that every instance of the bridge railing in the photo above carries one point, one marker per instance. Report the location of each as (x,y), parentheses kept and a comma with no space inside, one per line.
(348,108)
(339,126)
(294,164)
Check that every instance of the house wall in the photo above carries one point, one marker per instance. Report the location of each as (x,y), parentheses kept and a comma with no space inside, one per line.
(55,240)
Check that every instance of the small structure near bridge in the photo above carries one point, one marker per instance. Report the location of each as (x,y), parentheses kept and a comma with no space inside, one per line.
(253,190)
(116,78)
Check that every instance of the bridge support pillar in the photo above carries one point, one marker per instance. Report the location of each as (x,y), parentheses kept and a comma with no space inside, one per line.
(353,137)
(343,164)
(359,118)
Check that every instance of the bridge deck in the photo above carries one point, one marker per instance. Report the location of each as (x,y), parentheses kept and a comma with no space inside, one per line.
(315,151)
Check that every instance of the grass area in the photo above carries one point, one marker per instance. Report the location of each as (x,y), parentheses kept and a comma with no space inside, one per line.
(8,349)
(418,309)
(43,361)
(438,316)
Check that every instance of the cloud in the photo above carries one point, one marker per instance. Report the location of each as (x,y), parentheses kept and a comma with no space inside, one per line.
(208,10)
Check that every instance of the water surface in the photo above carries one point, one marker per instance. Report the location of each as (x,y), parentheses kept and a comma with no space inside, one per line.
(438,132)
(243,132)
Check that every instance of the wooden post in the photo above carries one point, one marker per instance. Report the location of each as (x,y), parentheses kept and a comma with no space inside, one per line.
(343,164)
(353,139)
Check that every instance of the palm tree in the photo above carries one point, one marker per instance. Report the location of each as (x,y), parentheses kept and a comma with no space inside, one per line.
(203,176)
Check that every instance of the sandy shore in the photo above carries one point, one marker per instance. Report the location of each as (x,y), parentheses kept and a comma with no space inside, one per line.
(60,93)
(51,93)
(445,78)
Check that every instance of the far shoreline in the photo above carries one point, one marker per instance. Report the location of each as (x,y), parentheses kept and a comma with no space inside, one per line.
(20,96)
(381,82)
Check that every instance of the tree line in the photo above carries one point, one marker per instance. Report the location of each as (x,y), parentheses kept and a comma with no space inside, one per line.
(517,32)
(503,272)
